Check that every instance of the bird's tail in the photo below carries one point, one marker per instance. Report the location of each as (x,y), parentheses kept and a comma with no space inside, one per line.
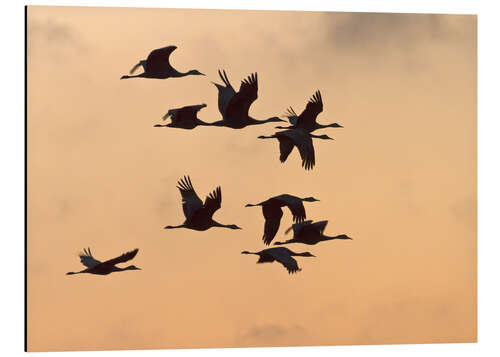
(135,67)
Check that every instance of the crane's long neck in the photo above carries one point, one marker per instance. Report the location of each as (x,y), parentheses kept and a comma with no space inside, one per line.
(266,137)
(340,236)
(217,224)
(76,272)
(173,227)
(134,76)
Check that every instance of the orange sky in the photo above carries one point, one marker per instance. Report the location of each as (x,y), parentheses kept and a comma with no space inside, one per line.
(400,179)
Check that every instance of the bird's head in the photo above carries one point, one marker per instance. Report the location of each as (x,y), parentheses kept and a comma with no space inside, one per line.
(196,72)
(132,267)
(245,252)
(233,226)
(335,125)
(324,137)
(124,77)
(343,236)
(310,199)
(307,254)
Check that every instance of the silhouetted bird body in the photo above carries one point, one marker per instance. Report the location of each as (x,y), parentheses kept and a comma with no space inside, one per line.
(282,255)
(234,106)
(157,65)
(184,118)
(198,214)
(272,212)
(104,268)
(307,119)
(299,138)
(310,233)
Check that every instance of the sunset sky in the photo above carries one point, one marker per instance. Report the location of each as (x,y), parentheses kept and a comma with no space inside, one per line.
(400,178)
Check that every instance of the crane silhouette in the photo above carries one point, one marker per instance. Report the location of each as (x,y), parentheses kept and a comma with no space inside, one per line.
(271,209)
(282,255)
(198,214)
(310,233)
(307,119)
(104,268)
(157,65)
(234,106)
(184,118)
(302,140)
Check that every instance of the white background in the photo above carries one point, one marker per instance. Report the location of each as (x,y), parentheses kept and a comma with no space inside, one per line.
(12,177)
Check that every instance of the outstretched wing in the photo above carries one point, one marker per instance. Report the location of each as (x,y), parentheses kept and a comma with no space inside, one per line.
(273,215)
(297,227)
(295,206)
(190,200)
(122,258)
(238,106)
(304,143)
(313,108)
(225,92)
(213,201)
(285,259)
(87,259)
(291,116)
(158,60)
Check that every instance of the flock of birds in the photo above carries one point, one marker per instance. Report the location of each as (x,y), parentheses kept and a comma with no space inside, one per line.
(234,108)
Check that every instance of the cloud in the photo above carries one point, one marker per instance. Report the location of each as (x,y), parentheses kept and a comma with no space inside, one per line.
(53,39)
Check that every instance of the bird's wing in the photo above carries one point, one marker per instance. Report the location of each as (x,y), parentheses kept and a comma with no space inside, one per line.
(320,226)
(295,206)
(285,259)
(122,258)
(190,200)
(213,201)
(265,258)
(273,215)
(291,116)
(238,106)
(304,143)
(313,107)
(87,259)
(159,60)
(297,227)
(225,92)
(286,146)
(185,114)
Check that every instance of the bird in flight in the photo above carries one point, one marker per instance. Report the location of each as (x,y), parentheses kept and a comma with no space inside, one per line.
(198,214)
(157,65)
(281,255)
(300,138)
(307,119)
(271,209)
(234,106)
(104,268)
(184,118)
(310,233)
